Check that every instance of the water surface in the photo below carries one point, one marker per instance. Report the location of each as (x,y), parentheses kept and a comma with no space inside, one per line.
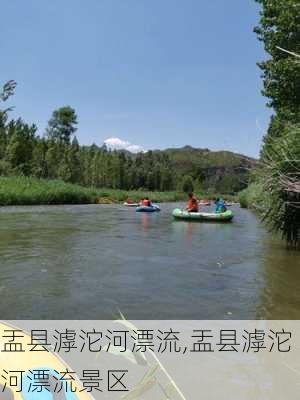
(88,262)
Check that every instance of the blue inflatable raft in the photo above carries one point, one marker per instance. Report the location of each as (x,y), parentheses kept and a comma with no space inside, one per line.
(148,209)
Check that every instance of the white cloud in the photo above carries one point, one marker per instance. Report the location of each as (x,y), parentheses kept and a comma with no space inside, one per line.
(119,144)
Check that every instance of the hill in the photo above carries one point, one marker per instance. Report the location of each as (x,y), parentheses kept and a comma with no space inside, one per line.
(219,171)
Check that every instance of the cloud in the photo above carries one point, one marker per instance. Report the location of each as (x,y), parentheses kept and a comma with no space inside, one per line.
(119,144)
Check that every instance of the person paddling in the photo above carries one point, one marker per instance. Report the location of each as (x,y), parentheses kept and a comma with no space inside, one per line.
(192,205)
(147,202)
(220,206)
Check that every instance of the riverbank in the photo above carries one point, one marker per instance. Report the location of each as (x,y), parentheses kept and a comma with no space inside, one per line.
(252,197)
(31,191)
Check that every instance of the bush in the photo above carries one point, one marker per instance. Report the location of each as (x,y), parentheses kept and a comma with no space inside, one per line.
(252,197)
(187,184)
(280,179)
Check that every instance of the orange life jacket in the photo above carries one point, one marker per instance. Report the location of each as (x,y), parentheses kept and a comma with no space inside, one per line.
(193,205)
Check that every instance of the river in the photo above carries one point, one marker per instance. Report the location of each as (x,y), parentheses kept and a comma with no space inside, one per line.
(89,261)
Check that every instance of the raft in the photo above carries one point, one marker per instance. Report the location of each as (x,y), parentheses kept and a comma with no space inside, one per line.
(149,209)
(200,216)
(204,203)
(131,204)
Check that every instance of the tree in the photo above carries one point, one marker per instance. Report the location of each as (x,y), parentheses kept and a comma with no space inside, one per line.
(6,91)
(279,174)
(20,147)
(62,125)
(150,181)
(187,184)
(281,180)
(280,29)
(64,171)
(53,157)
(39,164)
(73,156)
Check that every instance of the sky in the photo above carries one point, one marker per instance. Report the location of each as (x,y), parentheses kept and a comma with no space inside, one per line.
(141,74)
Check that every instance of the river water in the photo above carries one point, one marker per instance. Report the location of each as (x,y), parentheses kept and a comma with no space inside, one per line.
(88,262)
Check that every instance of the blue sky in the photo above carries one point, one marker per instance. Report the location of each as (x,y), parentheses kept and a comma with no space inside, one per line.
(154,73)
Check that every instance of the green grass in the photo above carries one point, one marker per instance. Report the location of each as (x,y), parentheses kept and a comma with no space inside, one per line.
(32,191)
(252,197)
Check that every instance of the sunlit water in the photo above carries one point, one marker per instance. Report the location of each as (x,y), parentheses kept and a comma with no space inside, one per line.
(88,262)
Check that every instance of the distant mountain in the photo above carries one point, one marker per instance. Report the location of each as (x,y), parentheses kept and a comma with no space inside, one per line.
(211,171)
(222,171)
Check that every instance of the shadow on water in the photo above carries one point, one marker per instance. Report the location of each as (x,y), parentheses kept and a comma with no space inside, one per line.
(280,296)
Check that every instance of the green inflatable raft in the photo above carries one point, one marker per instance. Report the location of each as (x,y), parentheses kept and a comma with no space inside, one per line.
(200,216)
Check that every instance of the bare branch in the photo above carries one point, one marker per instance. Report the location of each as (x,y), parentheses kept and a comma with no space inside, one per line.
(288,52)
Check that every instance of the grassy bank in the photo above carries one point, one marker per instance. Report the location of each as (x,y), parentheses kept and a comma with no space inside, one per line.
(252,197)
(32,191)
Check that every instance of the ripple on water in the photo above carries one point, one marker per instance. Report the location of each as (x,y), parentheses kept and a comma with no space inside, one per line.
(89,261)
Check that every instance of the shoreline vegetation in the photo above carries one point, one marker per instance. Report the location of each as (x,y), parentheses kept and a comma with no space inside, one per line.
(252,197)
(25,191)
(275,188)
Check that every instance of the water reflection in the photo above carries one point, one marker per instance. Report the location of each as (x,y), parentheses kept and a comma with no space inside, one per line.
(89,261)
(280,297)
(145,222)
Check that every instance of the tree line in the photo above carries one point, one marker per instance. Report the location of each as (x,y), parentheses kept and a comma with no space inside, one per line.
(279,172)
(58,155)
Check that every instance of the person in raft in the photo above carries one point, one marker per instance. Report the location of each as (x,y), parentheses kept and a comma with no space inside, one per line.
(146,202)
(129,201)
(220,205)
(193,205)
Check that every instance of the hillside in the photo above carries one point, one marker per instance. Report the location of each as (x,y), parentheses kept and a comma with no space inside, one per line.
(221,171)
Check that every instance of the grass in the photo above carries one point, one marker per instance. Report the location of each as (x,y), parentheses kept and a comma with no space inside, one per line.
(251,197)
(32,191)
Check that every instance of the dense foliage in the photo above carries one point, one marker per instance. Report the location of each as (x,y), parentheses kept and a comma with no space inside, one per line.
(279,30)
(58,155)
(281,179)
(211,171)
(23,190)
(252,197)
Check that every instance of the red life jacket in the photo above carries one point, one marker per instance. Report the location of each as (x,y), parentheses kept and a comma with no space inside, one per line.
(193,205)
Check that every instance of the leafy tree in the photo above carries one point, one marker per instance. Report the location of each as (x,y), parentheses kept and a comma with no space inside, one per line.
(280,29)
(52,158)
(62,125)
(187,184)
(74,161)
(39,163)
(20,147)
(280,179)
(6,91)
(279,176)
(64,171)
(150,180)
